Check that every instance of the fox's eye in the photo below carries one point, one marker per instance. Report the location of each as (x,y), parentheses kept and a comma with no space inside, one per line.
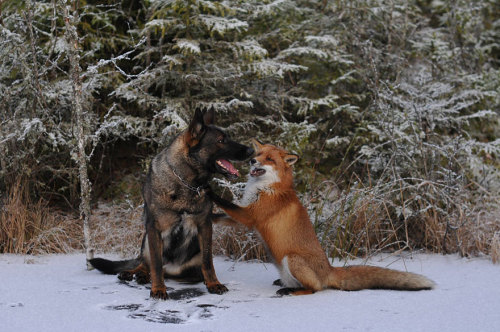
(269,159)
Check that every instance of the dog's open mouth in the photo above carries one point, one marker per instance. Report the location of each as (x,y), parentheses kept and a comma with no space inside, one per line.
(226,168)
(255,172)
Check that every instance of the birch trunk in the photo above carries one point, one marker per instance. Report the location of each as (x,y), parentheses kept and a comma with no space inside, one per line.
(74,57)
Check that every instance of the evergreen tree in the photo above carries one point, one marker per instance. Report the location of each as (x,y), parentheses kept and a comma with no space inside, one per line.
(395,101)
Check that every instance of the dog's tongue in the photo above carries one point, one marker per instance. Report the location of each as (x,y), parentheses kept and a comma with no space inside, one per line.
(229,167)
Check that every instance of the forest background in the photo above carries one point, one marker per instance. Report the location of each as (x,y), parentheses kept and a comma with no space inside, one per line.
(392,105)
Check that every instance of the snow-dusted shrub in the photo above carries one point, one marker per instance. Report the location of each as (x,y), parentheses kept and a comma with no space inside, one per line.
(426,151)
(392,105)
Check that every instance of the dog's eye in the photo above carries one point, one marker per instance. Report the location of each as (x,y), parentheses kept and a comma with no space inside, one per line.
(220,140)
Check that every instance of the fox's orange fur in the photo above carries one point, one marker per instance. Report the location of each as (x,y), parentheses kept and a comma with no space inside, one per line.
(271,206)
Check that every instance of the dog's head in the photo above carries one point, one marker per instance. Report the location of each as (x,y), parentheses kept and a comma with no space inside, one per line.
(211,147)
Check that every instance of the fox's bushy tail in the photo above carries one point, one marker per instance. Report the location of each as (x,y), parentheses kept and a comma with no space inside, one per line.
(114,267)
(371,277)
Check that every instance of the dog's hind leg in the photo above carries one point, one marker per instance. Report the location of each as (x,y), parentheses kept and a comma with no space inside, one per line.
(141,273)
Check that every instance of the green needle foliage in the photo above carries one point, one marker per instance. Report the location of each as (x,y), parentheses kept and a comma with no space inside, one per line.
(392,105)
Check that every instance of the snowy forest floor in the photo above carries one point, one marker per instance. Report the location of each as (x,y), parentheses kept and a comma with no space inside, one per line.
(57,293)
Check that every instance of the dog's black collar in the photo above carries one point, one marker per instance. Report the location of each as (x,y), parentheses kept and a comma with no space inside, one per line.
(187,185)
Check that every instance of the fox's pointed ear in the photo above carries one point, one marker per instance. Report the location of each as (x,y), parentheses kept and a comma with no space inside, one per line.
(196,129)
(209,116)
(257,146)
(291,159)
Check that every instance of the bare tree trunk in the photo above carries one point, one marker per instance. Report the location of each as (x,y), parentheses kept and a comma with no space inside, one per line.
(74,58)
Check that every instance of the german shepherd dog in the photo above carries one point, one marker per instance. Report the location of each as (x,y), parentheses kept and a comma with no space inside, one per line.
(177,209)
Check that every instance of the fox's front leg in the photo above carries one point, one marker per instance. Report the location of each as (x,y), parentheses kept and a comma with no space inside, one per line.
(222,219)
(238,213)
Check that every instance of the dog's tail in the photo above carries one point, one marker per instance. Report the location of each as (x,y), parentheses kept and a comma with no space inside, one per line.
(114,267)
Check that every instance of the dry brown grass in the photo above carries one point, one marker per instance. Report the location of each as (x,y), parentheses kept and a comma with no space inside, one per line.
(495,248)
(238,243)
(31,228)
(365,220)
(355,225)
(28,227)
(117,228)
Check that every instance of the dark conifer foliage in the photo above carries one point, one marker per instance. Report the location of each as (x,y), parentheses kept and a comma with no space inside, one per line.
(392,105)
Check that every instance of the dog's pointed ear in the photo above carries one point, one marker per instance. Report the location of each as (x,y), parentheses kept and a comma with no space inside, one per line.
(196,128)
(257,146)
(291,159)
(209,116)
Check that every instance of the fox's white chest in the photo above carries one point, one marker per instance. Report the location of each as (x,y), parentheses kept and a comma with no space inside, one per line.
(255,185)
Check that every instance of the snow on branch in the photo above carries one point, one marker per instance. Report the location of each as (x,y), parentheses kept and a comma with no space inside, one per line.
(30,125)
(273,67)
(188,46)
(326,40)
(272,8)
(221,25)
(161,24)
(172,60)
(303,51)
(231,105)
(307,105)
(251,48)
(171,114)
(93,69)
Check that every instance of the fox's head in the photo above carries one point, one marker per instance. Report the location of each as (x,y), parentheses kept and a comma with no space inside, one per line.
(271,166)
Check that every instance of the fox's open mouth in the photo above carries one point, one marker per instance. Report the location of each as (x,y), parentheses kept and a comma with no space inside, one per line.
(226,168)
(255,172)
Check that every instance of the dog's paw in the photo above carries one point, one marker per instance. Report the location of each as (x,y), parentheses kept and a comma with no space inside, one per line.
(125,276)
(217,289)
(278,282)
(159,294)
(142,278)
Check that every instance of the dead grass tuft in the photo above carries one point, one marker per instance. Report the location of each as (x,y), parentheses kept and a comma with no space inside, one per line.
(495,248)
(349,224)
(238,243)
(29,227)
(366,220)
(117,228)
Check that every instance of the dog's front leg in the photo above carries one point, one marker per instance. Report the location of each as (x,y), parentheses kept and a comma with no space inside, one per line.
(158,288)
(207,264)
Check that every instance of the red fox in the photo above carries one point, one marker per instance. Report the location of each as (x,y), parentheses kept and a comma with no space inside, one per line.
(271,206)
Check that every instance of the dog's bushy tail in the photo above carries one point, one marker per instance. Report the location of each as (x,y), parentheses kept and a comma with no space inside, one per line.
(114,267)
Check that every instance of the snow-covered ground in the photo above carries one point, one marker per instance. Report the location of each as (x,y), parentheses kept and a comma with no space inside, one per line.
(57,293)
